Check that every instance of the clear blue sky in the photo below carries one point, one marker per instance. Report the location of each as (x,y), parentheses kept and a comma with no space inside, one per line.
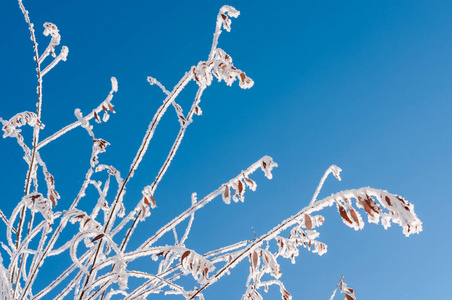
(365,85)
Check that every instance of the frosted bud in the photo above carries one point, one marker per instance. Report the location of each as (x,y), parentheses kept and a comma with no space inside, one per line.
(64,52)
(114,84)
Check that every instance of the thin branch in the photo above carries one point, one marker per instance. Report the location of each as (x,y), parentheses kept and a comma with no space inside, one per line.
(198,205)
(103,106)
(291,221)
(5,219)
(335,290)
(332,169)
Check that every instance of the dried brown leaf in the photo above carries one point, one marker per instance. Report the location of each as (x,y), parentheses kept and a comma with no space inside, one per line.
(388,201)
(226,192)
(184,256)
(153,203)
(308,222)
(255,260)
(354,216)
(250,181)
(344,215)
(96,116)
(348,297)
(240,187)
(242,76)
(52,198)
(98,237)
(110,108)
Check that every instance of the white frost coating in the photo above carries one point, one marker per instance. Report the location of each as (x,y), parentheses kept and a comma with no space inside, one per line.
(105,106)
(114,84)
(220,65)
(62,56)
(348,292)
(52,30)
(204,201)
(10,129)
(267,166)
(37,203)
(332,169)
(401,212)
(84,122)
(245,82)
(152,126)
(196,265)
(222,18)
(5,285)
(153,81)
(99,146)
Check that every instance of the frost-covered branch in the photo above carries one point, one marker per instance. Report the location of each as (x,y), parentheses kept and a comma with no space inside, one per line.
(101,266)
(105,106)
(400,212)
(349,293)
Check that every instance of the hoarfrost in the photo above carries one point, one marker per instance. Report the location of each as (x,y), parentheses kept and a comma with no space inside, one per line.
(101,268)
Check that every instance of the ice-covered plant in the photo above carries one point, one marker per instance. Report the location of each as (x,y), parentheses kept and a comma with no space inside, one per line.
(101,261)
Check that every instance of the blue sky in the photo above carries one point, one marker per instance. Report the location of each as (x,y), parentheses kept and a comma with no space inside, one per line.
(364,85)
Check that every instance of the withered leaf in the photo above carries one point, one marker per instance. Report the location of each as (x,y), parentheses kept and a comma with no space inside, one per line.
(367,207)
(153,201)
(242,76)
(354,216)
(265,257)
(249,181)
(96,116)
(110,108)
(52,198)
(98,237)
(226,192)
(146,201)
(307,221)
(401,199)
(184,256)
(373,205)
(344,214)
(286,295)
(255,260)
(240,187)
(388,201)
